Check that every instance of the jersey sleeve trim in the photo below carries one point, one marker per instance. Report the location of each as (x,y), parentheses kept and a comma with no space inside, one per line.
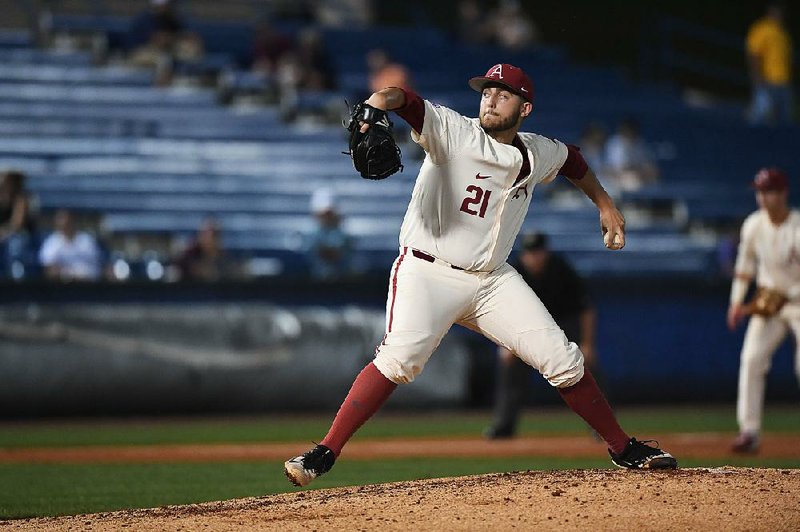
(413,112)
(575,166)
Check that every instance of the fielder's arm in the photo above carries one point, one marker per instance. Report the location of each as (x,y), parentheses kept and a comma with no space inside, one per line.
(612,222)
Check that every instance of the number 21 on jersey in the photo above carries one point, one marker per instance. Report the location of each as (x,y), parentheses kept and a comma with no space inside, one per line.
(478,198)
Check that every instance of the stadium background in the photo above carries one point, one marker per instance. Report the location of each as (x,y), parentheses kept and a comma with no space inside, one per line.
(142,166)
(661,302)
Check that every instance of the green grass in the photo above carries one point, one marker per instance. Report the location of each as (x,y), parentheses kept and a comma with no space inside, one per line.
(640,421)
(55,489)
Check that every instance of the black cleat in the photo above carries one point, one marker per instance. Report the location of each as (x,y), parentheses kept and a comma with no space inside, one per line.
(637,455)
(301,470)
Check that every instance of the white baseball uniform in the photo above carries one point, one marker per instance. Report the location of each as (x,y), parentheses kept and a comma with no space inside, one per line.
(771,254)
(468,204)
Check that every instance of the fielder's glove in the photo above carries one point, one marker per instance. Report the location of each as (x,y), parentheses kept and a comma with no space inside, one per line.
(375,154)
(766,302)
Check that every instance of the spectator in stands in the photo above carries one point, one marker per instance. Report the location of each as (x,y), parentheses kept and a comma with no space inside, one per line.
(593,148)
(564,295)
(17,226)
(329,247)
(162,39)
(68,254)
(315,71)
(630,161)
(307,67)
(269,48)
(472,28)
(343,13)
(383,72)
(511,27)
(769,55)
(205,259)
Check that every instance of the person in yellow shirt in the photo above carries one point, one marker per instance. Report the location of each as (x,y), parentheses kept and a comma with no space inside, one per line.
(769,54)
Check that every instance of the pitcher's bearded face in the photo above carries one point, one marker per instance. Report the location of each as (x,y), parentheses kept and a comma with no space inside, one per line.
(500,109)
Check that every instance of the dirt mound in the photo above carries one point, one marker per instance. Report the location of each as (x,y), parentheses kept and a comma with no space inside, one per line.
(725,498)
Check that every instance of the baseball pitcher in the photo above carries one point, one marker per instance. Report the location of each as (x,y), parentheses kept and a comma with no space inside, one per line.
(470,199)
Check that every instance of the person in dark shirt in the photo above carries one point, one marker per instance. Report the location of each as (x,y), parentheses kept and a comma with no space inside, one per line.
(204,259)
(564,295)
(18,240)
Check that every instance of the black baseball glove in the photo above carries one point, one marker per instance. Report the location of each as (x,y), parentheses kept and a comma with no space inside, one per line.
(375,153)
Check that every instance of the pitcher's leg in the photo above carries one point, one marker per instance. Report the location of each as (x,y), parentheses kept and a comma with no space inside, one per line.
(368,393)
(423,302)
(511,314)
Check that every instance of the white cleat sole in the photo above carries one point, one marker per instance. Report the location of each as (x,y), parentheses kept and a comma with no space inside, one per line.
(296,474)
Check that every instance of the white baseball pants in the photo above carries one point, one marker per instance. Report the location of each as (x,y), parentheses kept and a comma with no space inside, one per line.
(426,298)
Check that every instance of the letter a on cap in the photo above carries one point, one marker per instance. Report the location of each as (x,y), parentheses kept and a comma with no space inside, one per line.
(497,71)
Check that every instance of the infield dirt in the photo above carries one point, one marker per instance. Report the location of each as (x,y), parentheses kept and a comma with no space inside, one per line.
(687,499)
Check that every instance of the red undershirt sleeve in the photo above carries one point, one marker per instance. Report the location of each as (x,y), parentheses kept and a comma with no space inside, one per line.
(575,166)
(413,111)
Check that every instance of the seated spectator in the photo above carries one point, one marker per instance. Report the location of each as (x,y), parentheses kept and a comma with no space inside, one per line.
(17,226)
(383,72)
(269,48)
(472,28)
(68,254)
(329,247)
(630,161)
(593,148)
(343,13)
(205,259)
(511,27)
(162,39)
(310,63)
(307,67)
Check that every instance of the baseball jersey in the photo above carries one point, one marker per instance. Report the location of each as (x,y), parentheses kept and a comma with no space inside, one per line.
(771,253)
(470,197)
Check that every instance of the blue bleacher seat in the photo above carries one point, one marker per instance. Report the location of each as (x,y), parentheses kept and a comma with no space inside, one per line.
(103,140)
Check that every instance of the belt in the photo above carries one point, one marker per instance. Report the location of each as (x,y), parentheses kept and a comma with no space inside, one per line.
(424,256)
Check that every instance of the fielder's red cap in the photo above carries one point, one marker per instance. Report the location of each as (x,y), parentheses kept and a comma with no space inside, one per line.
(771,179)
(511,77)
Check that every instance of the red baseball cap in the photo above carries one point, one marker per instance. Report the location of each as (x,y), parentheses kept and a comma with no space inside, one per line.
(771,179)
(514,78)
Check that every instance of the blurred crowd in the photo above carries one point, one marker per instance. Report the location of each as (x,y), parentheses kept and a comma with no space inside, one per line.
(280,62)
(63,247)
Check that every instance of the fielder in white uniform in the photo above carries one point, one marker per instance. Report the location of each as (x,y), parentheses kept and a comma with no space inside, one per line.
(469,202)
(769,252)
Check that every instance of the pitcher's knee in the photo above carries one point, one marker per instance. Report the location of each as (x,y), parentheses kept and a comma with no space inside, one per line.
(569,377)
(403,355)
(399,372)
(556,358)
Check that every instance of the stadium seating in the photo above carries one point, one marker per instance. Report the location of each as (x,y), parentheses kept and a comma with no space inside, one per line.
(146,160)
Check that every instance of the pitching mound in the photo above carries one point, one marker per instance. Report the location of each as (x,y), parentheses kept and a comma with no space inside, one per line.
(725,498)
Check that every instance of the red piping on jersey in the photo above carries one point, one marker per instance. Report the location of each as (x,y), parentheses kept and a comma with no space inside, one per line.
(575,166)
(394,288)
(413,111)
(526,164)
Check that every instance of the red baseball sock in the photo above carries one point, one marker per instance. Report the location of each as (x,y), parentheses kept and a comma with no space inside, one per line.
(369,391)
(586,400)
